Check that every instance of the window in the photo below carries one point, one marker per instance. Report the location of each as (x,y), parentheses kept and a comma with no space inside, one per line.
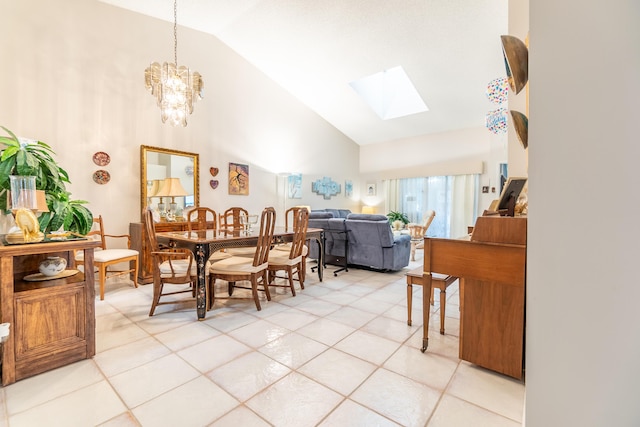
(453,198)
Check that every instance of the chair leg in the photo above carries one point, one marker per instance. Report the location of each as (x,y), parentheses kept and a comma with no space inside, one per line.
(266,285)
(157,291)
(290,277)
(254,290)
(135,272)
(443,304)
(301,273)
(102,274)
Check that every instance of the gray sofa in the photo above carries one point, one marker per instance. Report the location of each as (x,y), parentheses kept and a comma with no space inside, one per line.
(371,243)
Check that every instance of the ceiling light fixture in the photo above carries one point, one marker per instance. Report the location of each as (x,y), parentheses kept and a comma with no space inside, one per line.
(175,87)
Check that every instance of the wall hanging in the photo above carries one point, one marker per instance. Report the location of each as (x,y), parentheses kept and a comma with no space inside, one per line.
(238,179)
(294,186)
(325,187)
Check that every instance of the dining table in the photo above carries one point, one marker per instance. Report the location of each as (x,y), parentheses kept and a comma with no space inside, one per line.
(203,243)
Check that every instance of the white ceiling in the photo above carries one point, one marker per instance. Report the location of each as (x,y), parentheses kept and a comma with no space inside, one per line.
(450,49)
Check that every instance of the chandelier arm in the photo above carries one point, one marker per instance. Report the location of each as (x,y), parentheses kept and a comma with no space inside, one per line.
(175,31)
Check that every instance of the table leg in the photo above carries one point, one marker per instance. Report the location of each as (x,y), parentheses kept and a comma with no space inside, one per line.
(320,241)
(202,255)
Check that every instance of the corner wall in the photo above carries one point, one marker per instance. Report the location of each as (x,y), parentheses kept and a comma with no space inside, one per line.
(583,345)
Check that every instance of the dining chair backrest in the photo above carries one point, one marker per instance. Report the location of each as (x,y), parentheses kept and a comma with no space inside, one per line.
(230,220)
(202,216)
(265,238)
(293,211)
(300,224)
(150,228)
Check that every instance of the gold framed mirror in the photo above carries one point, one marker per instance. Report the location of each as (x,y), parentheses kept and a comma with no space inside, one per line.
(160,166)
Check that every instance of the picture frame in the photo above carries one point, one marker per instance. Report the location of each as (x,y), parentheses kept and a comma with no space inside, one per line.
(348,188)
(294,186)
(371,189)
(238,179)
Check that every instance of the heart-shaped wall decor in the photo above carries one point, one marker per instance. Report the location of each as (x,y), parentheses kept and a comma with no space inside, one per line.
(213,183)
(214,171)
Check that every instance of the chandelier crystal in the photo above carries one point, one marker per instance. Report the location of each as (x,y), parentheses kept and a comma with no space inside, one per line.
(175,87)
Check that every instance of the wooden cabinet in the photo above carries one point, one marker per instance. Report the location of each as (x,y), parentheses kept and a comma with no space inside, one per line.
(139,243)
(53,321)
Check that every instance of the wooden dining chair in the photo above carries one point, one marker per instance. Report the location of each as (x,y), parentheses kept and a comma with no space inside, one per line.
(104,258)
(286,247)
(239,268)
(293,261)
(171,266)
(205,219)
(230,219)
(202,217)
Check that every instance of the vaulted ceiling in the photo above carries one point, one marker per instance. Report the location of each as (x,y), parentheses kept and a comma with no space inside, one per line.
(450,49)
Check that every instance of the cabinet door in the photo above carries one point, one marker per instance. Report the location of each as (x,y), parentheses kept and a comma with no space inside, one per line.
(50,328)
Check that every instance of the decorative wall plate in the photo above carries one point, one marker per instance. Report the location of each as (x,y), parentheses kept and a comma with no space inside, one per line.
(214,171)
(101,158)
(214,183)
(101,177)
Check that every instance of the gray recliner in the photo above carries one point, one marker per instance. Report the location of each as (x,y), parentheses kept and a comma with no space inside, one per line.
(372,243)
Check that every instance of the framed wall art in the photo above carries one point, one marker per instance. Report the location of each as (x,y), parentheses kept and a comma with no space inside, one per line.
(294,186)
(238,179)
(348,188)
(371,190)
(325,187)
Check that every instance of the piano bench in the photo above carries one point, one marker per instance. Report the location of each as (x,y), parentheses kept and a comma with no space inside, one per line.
(440,281)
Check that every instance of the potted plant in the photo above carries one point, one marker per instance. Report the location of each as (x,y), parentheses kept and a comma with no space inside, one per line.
(397,219)
(35,158)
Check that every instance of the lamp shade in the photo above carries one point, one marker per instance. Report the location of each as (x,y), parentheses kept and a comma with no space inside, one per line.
(41,201)
(155,187)
(171,187)
(368,209)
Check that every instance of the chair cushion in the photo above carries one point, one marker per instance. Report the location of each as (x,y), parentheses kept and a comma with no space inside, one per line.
(217,256)
(282,258)
(108,254)
(236,264)
(179,268)
(244,252)
(286,247)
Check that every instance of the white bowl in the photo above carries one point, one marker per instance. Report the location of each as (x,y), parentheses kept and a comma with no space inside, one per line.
(52,265)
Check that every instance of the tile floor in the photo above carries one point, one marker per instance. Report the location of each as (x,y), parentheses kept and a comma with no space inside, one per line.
(338,354)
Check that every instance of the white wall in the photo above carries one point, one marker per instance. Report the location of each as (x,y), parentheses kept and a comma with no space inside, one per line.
(518,27)
(72,76)
(467,151)
(583,344)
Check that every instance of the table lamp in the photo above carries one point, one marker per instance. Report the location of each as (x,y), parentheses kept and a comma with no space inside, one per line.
(171,187)
(368,210)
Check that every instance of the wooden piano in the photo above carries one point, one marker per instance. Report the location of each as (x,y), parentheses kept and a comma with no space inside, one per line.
(491,266)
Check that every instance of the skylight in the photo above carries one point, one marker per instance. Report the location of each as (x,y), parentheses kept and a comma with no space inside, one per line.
(390,94)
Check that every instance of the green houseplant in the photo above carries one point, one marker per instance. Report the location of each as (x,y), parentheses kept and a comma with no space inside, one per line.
(36,159)
(397,219)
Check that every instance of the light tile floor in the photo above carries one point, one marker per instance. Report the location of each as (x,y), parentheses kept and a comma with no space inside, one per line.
(340,353)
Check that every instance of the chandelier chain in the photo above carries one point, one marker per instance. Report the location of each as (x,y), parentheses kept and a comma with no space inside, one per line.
(175,31)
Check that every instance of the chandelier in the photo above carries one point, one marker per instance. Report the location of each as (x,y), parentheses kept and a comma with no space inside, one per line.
(175,87)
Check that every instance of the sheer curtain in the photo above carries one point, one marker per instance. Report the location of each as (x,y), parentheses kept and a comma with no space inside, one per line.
(453,198)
